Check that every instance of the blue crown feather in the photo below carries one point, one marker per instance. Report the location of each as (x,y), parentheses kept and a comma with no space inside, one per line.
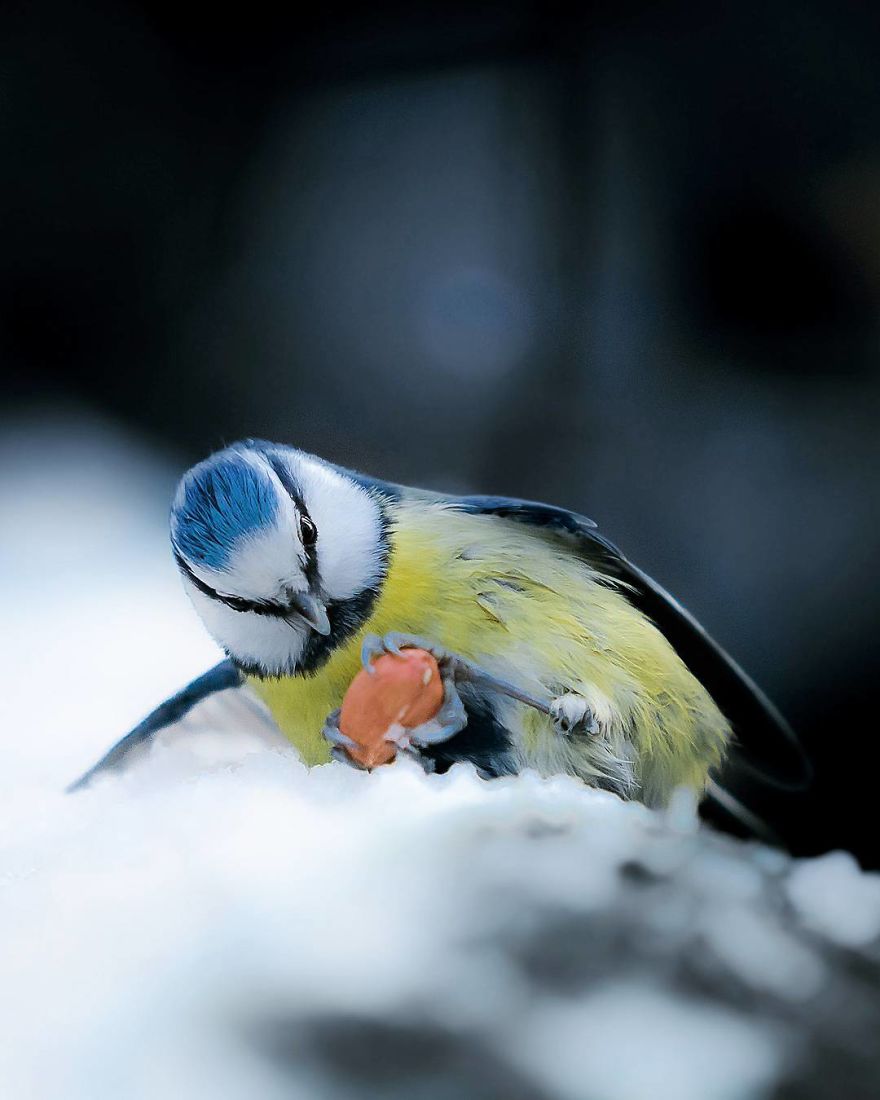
(224,500)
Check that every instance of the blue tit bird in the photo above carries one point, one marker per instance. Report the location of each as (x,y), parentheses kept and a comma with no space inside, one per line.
(558,653)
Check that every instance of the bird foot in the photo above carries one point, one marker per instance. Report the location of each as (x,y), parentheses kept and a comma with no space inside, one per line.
(450,719)
(573,715)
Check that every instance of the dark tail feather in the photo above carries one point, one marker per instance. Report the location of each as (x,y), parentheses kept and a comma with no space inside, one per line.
(764,744)
(748,821)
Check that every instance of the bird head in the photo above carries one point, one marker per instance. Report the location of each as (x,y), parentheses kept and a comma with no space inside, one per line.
(276,549)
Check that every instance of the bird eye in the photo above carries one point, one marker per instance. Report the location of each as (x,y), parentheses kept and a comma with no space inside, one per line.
(308,531)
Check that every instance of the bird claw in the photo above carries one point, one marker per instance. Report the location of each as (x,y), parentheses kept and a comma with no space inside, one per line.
(332,733)
(340,753)
(339,742)
(393,642)
(571,714)
(449,720)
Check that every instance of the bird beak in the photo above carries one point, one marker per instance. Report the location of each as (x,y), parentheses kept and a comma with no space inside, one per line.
(312,610)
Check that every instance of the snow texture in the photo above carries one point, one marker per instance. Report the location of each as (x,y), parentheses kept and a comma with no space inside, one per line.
(222,922)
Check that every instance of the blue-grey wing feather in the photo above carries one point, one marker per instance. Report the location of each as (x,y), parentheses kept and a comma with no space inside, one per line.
(220,678)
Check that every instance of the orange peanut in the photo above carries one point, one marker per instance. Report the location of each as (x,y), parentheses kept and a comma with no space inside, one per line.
(400,693)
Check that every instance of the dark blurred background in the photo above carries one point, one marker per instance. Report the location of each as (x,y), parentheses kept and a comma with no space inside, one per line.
(623,257)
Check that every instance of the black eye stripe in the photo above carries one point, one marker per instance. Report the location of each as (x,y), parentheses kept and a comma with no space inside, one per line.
(205,589)
(236,603)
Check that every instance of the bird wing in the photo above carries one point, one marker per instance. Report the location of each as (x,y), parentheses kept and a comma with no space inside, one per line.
(764,741)
(238,711)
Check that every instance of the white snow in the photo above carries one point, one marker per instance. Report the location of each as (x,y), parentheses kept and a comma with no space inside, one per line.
(767,957)
(632,1040)
(149,925)
(833,896)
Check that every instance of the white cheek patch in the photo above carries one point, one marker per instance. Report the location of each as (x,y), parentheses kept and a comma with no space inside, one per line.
(270,560)
(350,537)
(271,644)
